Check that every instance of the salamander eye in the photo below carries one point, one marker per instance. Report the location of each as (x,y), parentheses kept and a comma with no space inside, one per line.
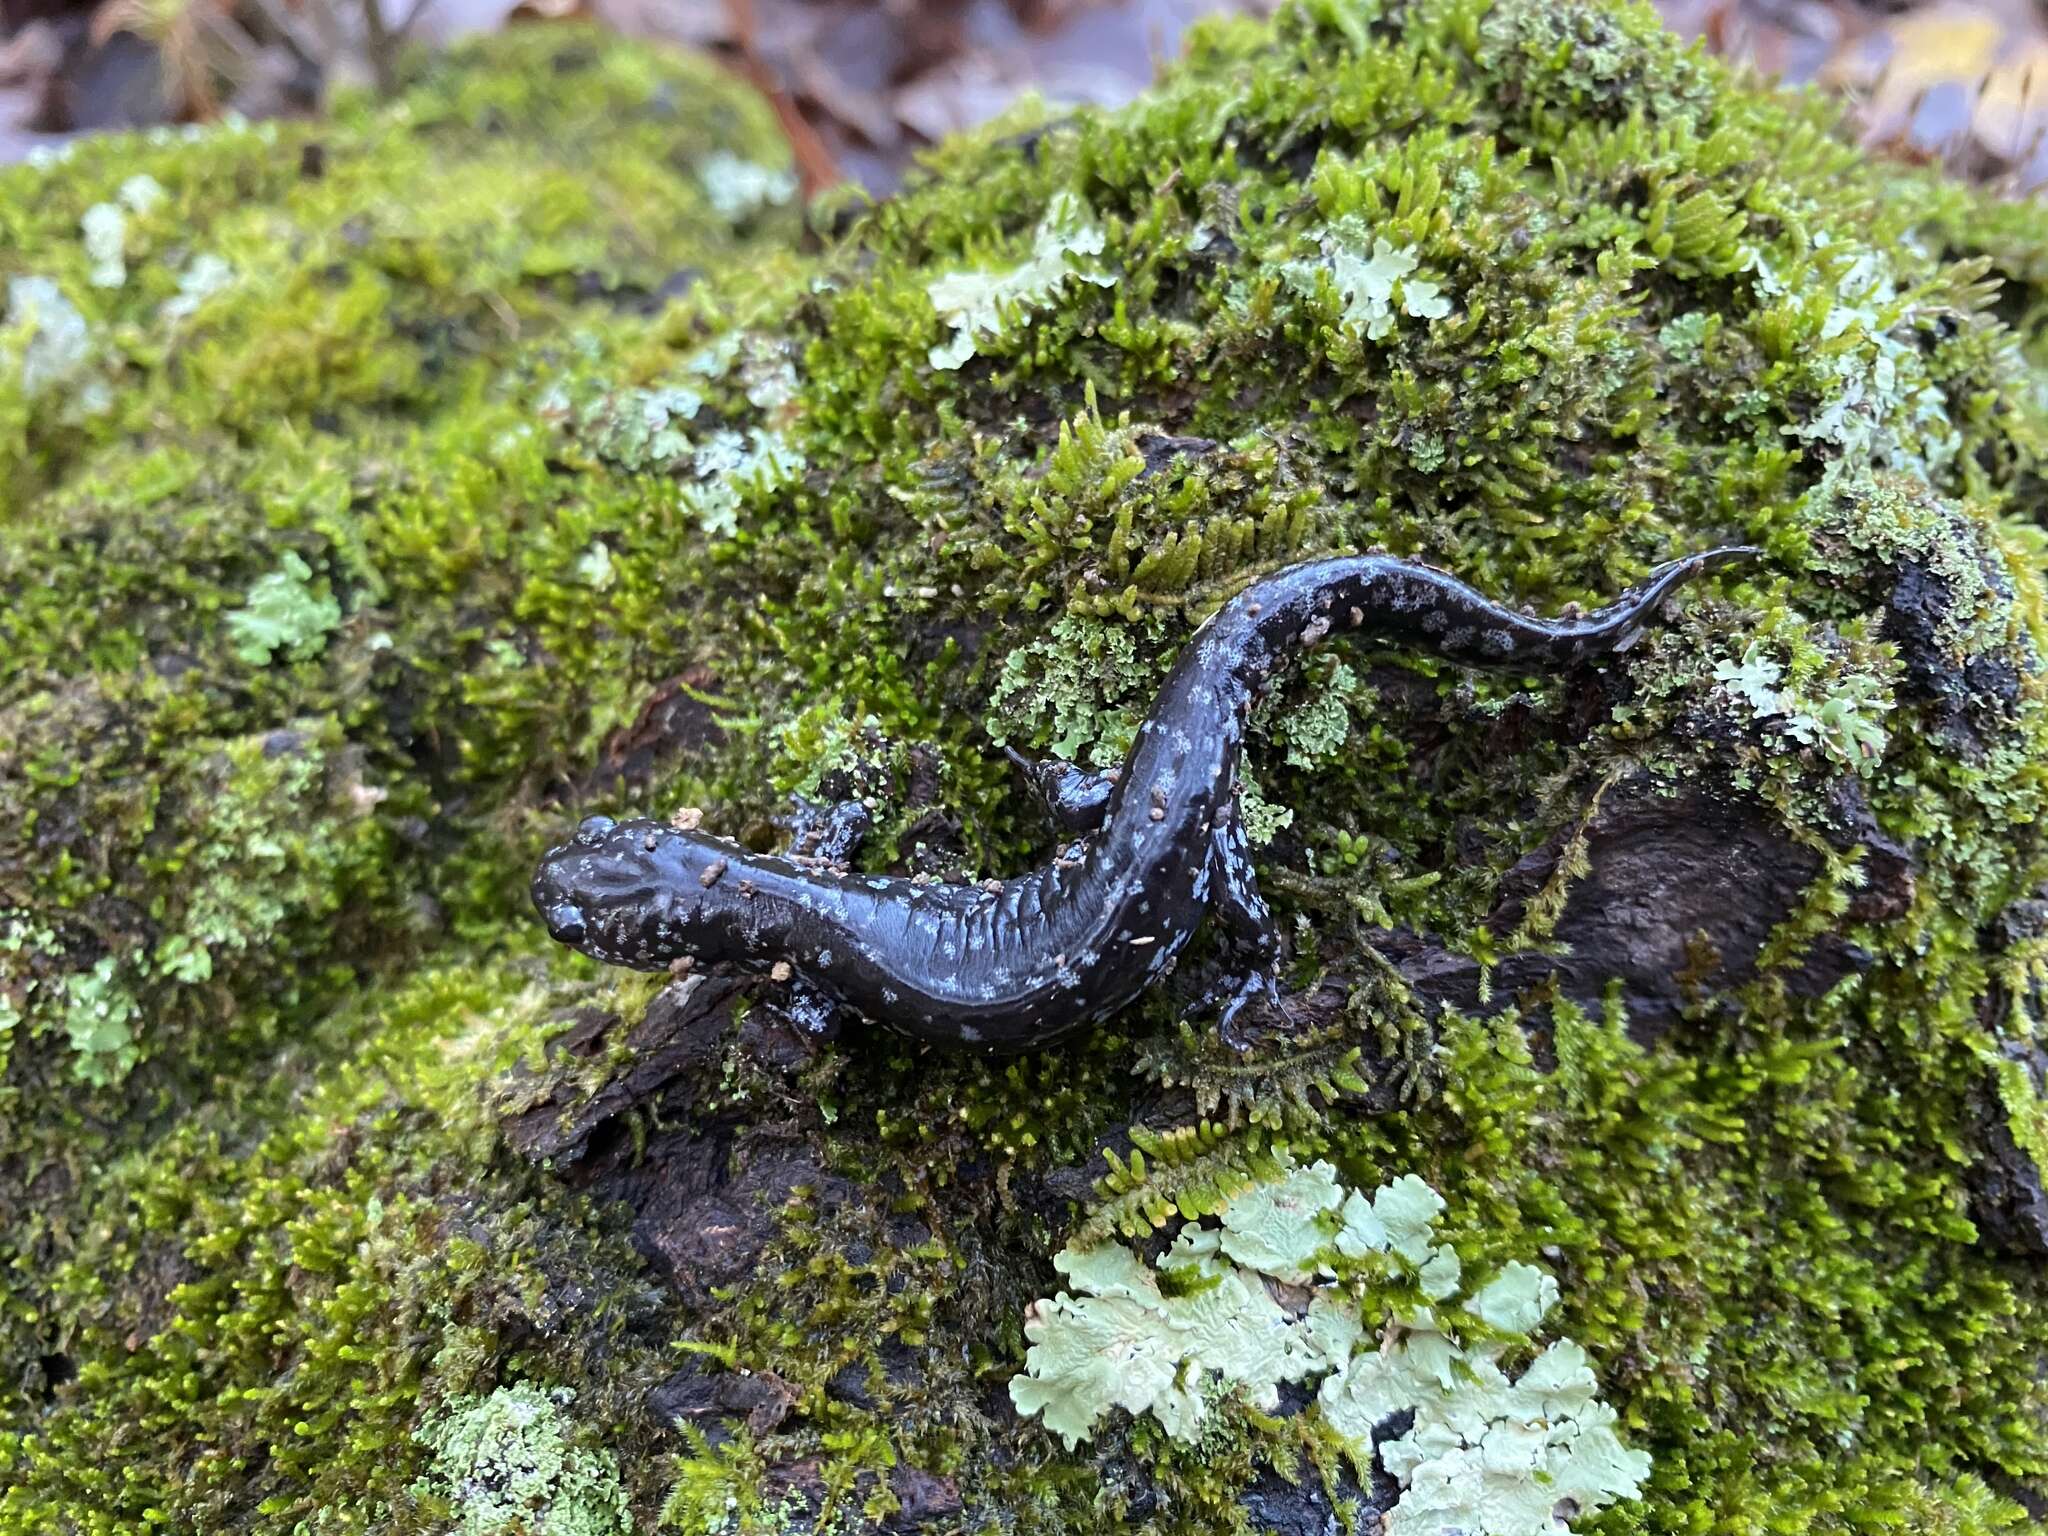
(591,828)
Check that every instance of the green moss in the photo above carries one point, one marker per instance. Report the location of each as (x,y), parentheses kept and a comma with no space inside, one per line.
(2025,1117)
(270,566)
(380,517)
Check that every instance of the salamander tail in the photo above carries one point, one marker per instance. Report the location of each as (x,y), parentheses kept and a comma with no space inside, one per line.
(1616,626)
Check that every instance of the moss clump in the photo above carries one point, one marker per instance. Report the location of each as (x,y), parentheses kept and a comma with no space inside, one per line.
(280,596)
(268,481)
(465,537)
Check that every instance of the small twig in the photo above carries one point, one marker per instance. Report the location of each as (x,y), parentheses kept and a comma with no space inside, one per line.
(814,161)
(413,12)
(306,43)
(378,41)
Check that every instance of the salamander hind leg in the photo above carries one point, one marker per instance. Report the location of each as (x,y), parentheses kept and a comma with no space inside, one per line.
(1075,799)
(1251,938)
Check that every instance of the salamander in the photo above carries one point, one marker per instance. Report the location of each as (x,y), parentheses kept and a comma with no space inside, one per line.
(1150,849)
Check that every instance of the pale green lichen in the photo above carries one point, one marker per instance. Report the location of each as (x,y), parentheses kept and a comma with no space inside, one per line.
(823,739)
(1124,1343)
(1878,402)
(1485,1454)
(1263,817)
(510,1462)
(141,193)
(99,1015)
(204,276)
(1077,689)
(714,361)
(728,468)
(648,428)
(1316,730)
(975,303)
(594,566)
(770,380)
(56,340)
(105,227)
(1843,722)
(1516,1299)
(642,428)
(1282,1226)
(286,614)
(1373,278)
(1685,336)
(740,188)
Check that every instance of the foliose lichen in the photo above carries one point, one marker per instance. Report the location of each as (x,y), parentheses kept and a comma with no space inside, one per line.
(506,1462)
(1292,1284)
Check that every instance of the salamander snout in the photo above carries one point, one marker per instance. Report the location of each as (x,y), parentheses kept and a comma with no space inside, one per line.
(555,898)
(563,878)
(565,922)
(633,892)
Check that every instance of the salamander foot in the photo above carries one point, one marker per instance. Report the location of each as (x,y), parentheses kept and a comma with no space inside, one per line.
(1260,985)
(1251,939)
(1075,799)
(833,833)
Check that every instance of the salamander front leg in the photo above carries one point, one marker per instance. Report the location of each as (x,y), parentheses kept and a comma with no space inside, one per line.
(833,833)
(1076,799)
(1251,939)
(813,1012)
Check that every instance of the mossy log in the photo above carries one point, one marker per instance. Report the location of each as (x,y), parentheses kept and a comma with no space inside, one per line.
(384,494)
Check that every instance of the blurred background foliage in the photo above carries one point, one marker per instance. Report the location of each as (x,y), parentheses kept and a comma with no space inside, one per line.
(861,85)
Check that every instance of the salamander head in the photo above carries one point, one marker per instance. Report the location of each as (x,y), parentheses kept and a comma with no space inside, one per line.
(638,893)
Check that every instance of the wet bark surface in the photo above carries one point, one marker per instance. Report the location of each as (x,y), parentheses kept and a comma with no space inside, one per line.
(1683,890)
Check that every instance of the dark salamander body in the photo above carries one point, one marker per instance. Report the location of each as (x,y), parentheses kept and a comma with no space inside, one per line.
(1157,846)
